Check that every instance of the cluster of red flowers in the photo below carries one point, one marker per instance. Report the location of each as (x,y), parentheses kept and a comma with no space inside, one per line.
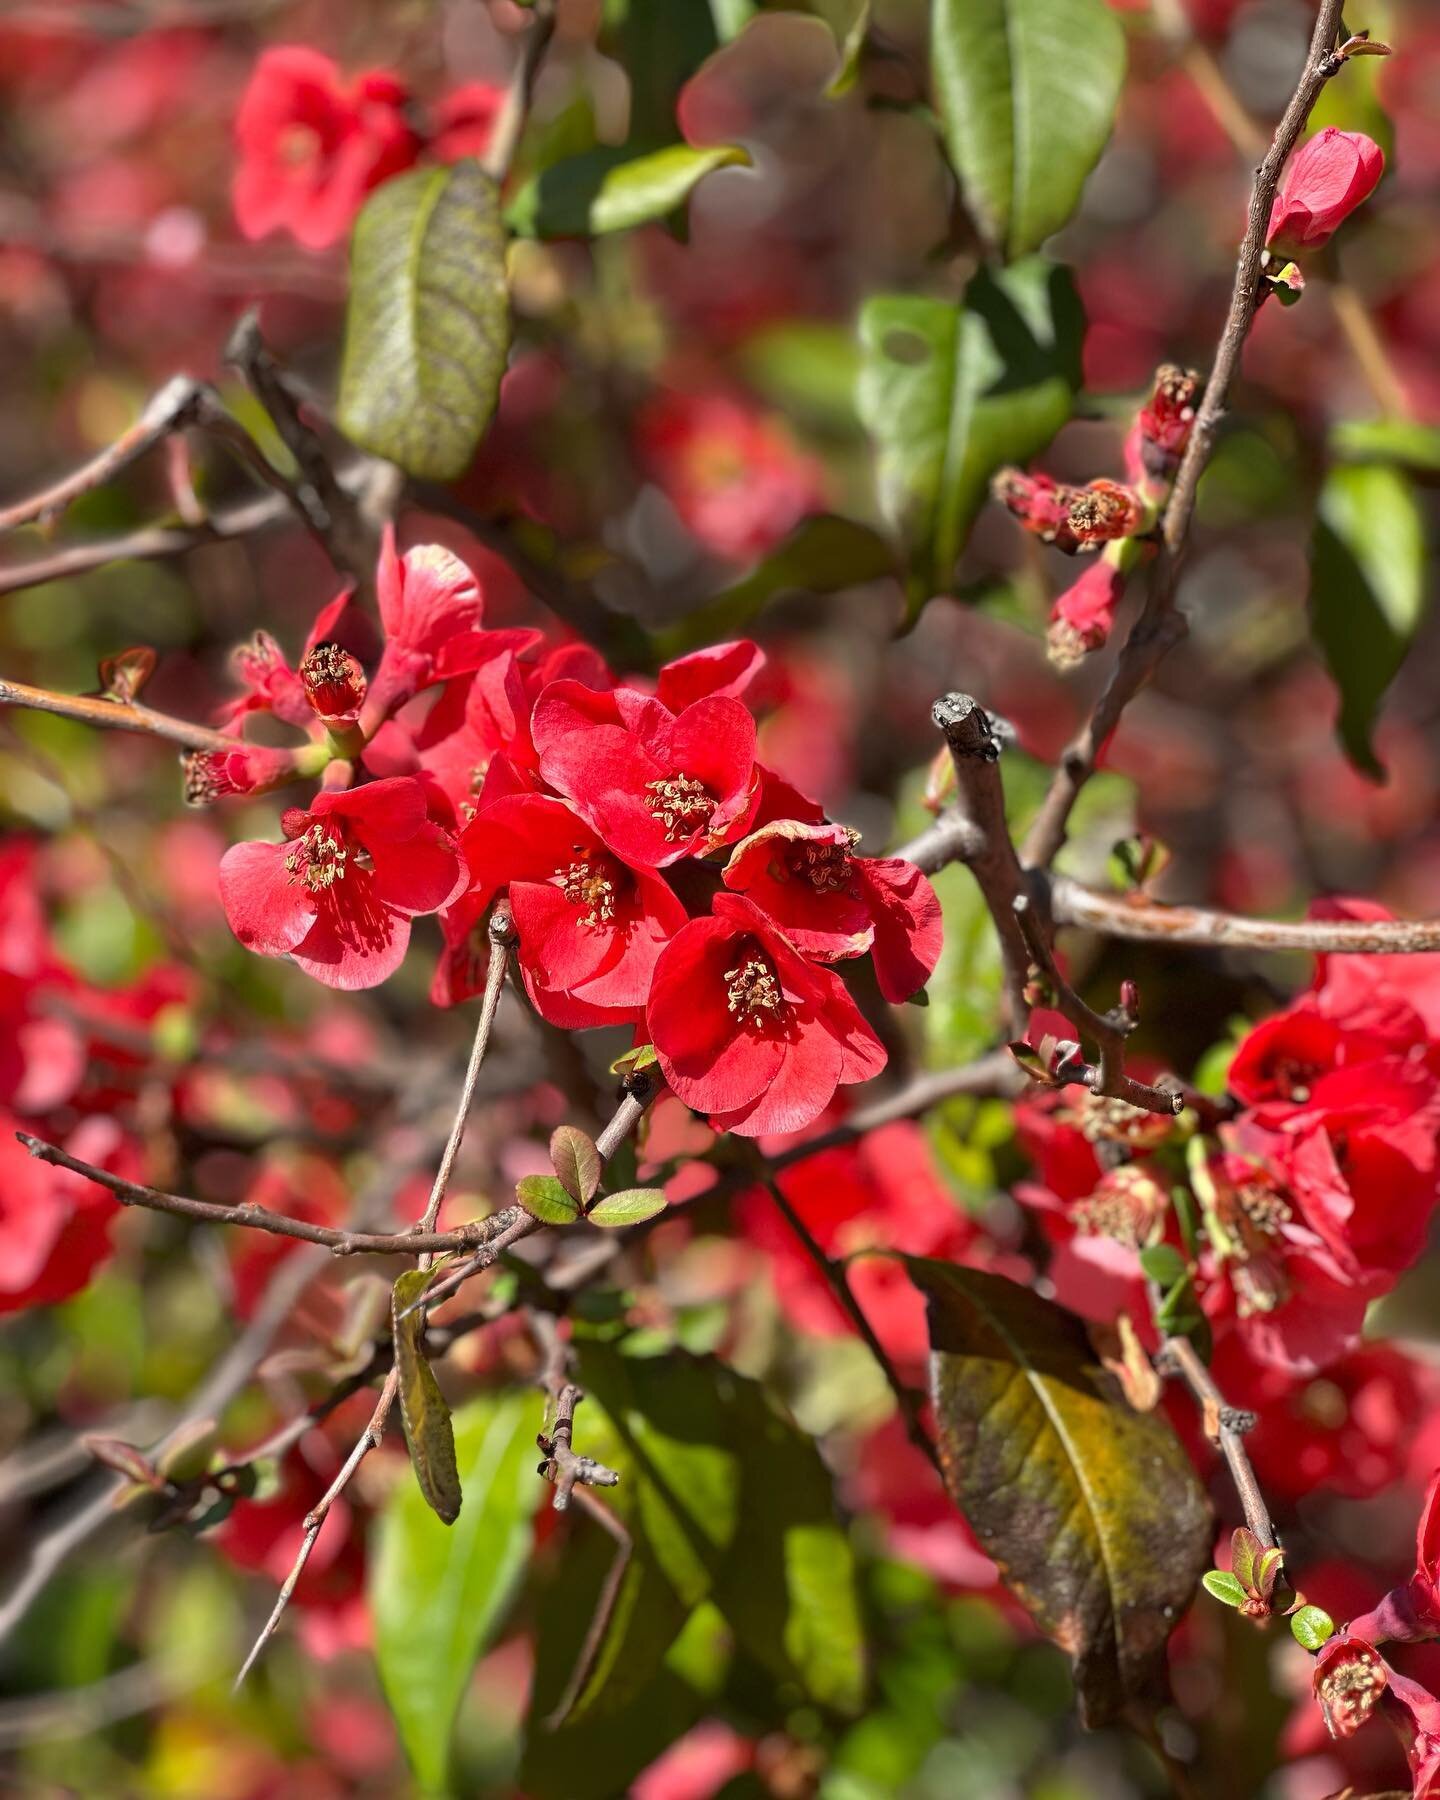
(312,145)
(658,875)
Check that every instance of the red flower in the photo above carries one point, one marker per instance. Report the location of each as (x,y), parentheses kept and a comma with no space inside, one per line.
(55,1226)
(1161,430)
(1411,1612)
(272,686)
(748,1031)
(1328,177)
(212,775)
(430,606)
(733,474)
(312,148)
(1083,617)
(832,904)
(1349,1677)
(339,895)
(656,785)
(463,123)
(590,928)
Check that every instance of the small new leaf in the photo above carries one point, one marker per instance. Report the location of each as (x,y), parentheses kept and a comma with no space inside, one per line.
(1223,1586)
(1163,1263)
(544,1199)
(1311,1626)
(122,676)
(423,1411)
(576,1162)
(643,1056)
(627,1208)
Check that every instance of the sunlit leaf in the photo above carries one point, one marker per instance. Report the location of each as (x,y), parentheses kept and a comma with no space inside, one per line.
(544,1199)
(437,1595)
(1367,591)
(1026,91)
(428,324)
(576,1162)
(631,1207)
(951,393)
(610,189)
(1091,1510)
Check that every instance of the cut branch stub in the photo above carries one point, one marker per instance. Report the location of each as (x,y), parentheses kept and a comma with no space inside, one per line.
(1090,1509)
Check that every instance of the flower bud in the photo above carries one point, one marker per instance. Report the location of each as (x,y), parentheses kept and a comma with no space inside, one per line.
(1162,428)
(1103,511)
(334,683)
(1328,177)
(212,775)
(1041,505)
(1083,617)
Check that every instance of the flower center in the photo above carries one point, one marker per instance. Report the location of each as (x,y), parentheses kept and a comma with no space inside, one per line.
(1250,1216)
(588,884)
(297,145)
(752,993)
(681,804)
(1129,1206)
(317,858)
(825,866)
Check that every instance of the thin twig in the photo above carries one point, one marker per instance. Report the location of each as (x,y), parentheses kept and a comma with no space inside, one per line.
(835,1279)
(1151,921)
(505,136)
(1160,625)
(556,1441)
(116,715)
(1227,1425)
(604,1605)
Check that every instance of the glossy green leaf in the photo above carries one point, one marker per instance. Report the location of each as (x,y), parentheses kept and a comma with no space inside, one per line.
(1026,92)
(437,1596)
(544,1199)
(423,1412)
(607,189)
(1367,591)
(631,1207)
(823,555)
(1091,1510)
(428,323)
(1311,1627)
(576,1162)
(951,393)
(633,1062)
(1404,441)
(737,1505)
(1163,1263)
(1223,1586)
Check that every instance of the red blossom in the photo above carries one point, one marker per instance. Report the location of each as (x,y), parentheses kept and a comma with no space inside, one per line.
(1083,617)
(747,1031)
(338,896)
(1349,1678)
(656,785)
(463,123)
(590,927)
(311,147)
(212,775)
(1411,1613)
(833,904)
(1162,428)
(1328,177)
(54,1225)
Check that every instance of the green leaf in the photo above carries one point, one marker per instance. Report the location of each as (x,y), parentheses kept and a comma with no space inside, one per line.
(1367,592)
(632,1062)
(1223,1586)
(423,1412)
(611,189)
(852,43)
(627,1208)
(428,323)
(1090,1509)
(737,1505)
(576,1162)
(544,1199)
(824,554)
(437,1596)
(1404,441)
(1026,91)
(1163,1263)
(1311,1626)
(659,44)
(951,393)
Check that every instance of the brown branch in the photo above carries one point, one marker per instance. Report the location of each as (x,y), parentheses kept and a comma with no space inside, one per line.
(256,1218)
(115,715)
(1225,1426)
(980,833)
(1160,625)
(562,1467)
(604,1605)
(505,137)
(1151,921)
(906,1399)
(1107,1032)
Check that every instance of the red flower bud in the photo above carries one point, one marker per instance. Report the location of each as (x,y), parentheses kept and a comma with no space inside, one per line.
(1082,618)
(1041,505)
(212,775)
(1328,177)
(1103,511)
(1162,426)
(334,683)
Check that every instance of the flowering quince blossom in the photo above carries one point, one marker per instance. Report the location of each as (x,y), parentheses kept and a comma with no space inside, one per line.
(590,927)
(749,1032)
(311,147)
(1410,1613)
(656,785)
(1083,617)
(339,894)
(1329,176)
(831,903)
(55,1225)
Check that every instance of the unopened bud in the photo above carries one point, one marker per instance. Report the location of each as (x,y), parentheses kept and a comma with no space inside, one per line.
(334,683)
(212,775)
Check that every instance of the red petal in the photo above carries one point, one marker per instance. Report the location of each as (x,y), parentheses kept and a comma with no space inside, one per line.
(355,942)
(908,927)
(421,874)
(802,1088)
(267,911)
(723,669)
(380,812)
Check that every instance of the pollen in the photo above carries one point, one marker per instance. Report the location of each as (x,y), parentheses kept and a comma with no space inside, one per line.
(586,884)
(751,991)
(681,804)
(317,858)
(825,866)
